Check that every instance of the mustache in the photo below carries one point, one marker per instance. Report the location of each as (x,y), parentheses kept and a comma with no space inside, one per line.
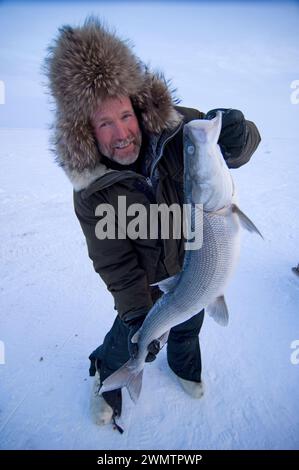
(124,143)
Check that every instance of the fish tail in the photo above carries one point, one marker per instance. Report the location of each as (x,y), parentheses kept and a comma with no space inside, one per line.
(129,375)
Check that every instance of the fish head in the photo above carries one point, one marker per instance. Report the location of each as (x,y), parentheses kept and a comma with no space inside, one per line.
(205,130)
(207,178)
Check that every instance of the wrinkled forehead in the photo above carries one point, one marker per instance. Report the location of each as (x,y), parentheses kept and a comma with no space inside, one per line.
(110,105)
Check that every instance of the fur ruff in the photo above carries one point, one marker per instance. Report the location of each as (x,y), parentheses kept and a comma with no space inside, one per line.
(84,66)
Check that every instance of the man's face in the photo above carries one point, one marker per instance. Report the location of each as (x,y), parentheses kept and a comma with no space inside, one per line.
(117,130)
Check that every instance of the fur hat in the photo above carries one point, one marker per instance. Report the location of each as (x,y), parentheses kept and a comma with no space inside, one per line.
(84,66)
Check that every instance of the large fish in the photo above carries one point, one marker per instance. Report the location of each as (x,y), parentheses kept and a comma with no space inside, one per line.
(210,190)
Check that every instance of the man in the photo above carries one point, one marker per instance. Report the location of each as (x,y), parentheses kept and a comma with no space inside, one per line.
(119,133)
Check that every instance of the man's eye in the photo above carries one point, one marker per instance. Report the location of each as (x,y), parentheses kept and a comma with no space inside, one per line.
(125,116)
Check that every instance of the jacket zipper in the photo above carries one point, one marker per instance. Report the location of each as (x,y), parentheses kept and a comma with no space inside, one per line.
(155,163)
(149,181)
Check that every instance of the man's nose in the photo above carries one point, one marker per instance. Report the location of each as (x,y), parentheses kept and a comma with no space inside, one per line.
(120,131)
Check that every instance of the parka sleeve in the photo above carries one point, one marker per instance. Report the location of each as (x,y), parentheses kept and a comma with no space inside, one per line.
(252,140)
(116,262)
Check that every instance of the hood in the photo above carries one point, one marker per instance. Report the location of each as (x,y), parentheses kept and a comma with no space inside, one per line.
(84,66)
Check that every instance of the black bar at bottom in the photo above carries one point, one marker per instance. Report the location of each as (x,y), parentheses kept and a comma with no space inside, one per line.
(134,458)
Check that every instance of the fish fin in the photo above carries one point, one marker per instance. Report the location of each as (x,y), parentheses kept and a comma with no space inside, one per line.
(134,386)
(129,375)
(245,221)
(163,339)
(218,311)
(167,285)
(135,337)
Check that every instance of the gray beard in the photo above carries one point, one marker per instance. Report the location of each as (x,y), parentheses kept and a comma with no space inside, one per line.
(125,161)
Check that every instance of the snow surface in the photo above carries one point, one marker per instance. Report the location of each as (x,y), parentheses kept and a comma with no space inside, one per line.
(55,309)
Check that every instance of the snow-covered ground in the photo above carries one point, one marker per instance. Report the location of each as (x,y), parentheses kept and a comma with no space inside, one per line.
(54,309)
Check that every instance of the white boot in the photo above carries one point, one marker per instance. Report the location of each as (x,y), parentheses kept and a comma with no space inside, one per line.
(101,412)
(194,389)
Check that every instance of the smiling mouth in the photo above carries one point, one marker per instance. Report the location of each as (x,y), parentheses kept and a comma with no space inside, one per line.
(123,146)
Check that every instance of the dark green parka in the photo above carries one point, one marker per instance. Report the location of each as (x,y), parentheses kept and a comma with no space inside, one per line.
(128,267)
(85,65)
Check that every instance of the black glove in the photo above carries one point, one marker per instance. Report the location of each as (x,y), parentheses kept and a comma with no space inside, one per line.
(233,133)
(153,347)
